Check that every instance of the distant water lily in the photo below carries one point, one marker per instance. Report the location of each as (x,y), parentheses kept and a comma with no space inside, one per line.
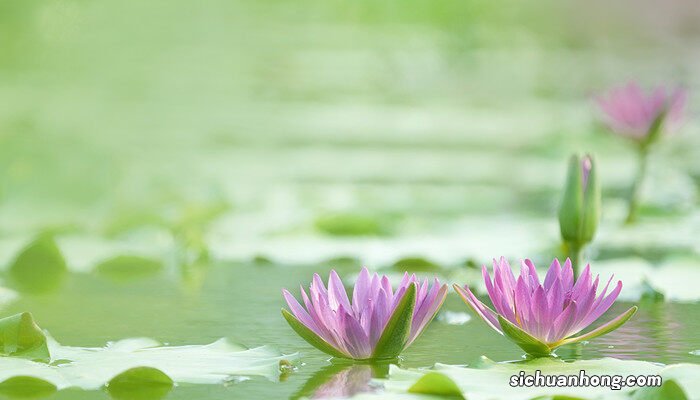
(539,317)
(631,113)
(378,324)
(634,114)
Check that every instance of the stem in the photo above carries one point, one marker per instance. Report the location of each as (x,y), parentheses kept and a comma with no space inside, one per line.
(635,192)
(574,253)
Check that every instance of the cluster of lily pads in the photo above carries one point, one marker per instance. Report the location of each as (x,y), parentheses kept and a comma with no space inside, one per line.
(538,316)
(33,364)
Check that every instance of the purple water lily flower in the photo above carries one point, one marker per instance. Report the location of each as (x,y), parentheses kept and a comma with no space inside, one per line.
(632,113)
(379,322)
(541,316)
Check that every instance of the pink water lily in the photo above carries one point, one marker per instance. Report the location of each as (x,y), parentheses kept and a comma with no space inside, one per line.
(630,112)
(378,323)
(541,316)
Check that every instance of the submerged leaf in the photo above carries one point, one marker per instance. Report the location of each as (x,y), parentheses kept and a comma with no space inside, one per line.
(21,337)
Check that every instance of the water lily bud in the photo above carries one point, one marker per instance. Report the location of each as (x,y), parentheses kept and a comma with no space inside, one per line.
(579,212)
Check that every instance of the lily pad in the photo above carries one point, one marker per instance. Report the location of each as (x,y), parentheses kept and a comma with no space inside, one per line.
(39,267)
(26,387)
(129,267)
(438,384)
(490,380)
(140,383)
(120,364)
(21,337)
(669,390)
(412,264)
(345,224)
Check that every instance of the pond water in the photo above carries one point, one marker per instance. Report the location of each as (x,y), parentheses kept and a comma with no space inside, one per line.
(243,301)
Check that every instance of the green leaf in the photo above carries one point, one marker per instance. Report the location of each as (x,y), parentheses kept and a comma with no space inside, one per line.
(527,342)
(437,384)
(39,267)
(602,330)
(398,328)
(311,337)
(669,390)
(21,337)
(26,387)
(140,383)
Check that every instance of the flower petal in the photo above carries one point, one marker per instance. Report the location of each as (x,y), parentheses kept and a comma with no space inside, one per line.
(421,321)
(485,313)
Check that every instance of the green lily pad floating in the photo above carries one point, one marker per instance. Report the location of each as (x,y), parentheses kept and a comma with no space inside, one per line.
(129,267)
(140,383)
(120,364)
(669,390)
(436,383)
(412,264)
(85,252)
(21,337)
(26,387)
(39,267)
(490,380)
(345,224)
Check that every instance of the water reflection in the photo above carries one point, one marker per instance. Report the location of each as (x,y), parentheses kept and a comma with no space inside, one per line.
(651,335)
(139,391)
(342,380)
